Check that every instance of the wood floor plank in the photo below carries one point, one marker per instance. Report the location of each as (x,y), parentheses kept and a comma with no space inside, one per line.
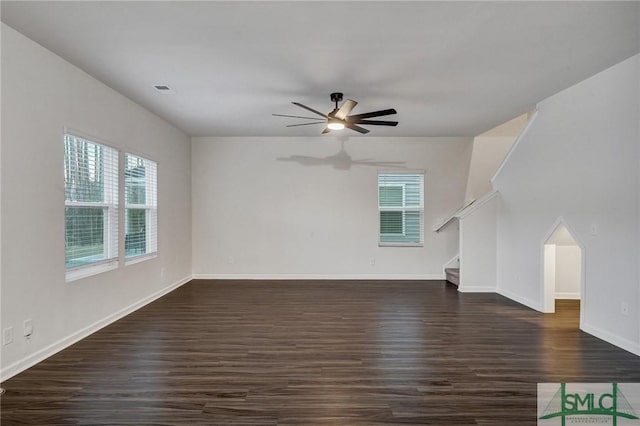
(316,353)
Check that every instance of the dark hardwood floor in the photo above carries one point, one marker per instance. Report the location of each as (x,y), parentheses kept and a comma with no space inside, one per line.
(316,353)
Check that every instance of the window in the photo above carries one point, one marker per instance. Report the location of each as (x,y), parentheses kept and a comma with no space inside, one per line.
(91,207)
(401,208)
(141,207)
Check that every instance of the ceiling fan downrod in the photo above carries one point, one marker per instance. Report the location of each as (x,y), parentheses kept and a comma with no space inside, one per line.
(336,97)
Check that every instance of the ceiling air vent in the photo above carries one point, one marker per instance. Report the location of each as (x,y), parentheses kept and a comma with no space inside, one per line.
(162,88)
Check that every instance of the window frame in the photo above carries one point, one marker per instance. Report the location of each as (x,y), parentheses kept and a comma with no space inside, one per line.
(402,209)
(110,202)
(150,207)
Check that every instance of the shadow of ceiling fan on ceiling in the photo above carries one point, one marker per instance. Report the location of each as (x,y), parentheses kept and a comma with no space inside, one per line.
(340,161)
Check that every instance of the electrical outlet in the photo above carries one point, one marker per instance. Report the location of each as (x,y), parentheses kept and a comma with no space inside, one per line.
(372,261)
(230,260)
(7,335)
(594,229)
(625,308)
(162,273)
(28,327)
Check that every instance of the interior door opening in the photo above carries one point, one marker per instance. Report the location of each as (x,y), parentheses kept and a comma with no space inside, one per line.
(563,273)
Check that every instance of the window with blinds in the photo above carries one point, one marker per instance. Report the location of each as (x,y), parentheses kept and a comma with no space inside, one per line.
(141,207)
(91,206)
(401,208)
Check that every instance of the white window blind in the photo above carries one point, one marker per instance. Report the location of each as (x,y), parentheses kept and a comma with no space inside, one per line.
(401,208)
(91,206)
(141,207)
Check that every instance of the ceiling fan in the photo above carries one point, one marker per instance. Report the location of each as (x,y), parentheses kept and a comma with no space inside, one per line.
(339,118)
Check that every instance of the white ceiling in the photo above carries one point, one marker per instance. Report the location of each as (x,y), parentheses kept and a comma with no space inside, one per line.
(449,68)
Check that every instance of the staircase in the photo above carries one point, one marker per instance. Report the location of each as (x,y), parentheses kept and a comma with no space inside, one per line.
(453,275)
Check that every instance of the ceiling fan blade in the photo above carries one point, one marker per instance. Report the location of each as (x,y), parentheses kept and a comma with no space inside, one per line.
(310,109)
(377,122)
(326,130)
(345,109)
(356,128)
(305,124)
(295,116)
(372,114)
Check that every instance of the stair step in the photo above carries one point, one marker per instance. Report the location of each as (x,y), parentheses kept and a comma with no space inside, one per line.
(453,271)
(453,275)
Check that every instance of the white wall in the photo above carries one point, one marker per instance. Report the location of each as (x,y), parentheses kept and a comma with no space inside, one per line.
(488,153)
(489,150)
(568,266)
(579,160)
(549,277)
(638,199)
(478,247)
(285,219)
(41,93)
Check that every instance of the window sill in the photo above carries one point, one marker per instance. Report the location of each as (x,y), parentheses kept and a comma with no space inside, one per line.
(140,258)
(89,270)
(400,244)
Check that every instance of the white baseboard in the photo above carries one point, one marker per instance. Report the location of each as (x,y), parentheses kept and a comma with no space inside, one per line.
(44,353)
(517,298)
(568,295)
(313,277)
(476,289)
(621,342)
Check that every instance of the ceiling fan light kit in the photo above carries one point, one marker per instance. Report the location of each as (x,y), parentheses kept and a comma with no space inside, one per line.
(339,117)
(335,124)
